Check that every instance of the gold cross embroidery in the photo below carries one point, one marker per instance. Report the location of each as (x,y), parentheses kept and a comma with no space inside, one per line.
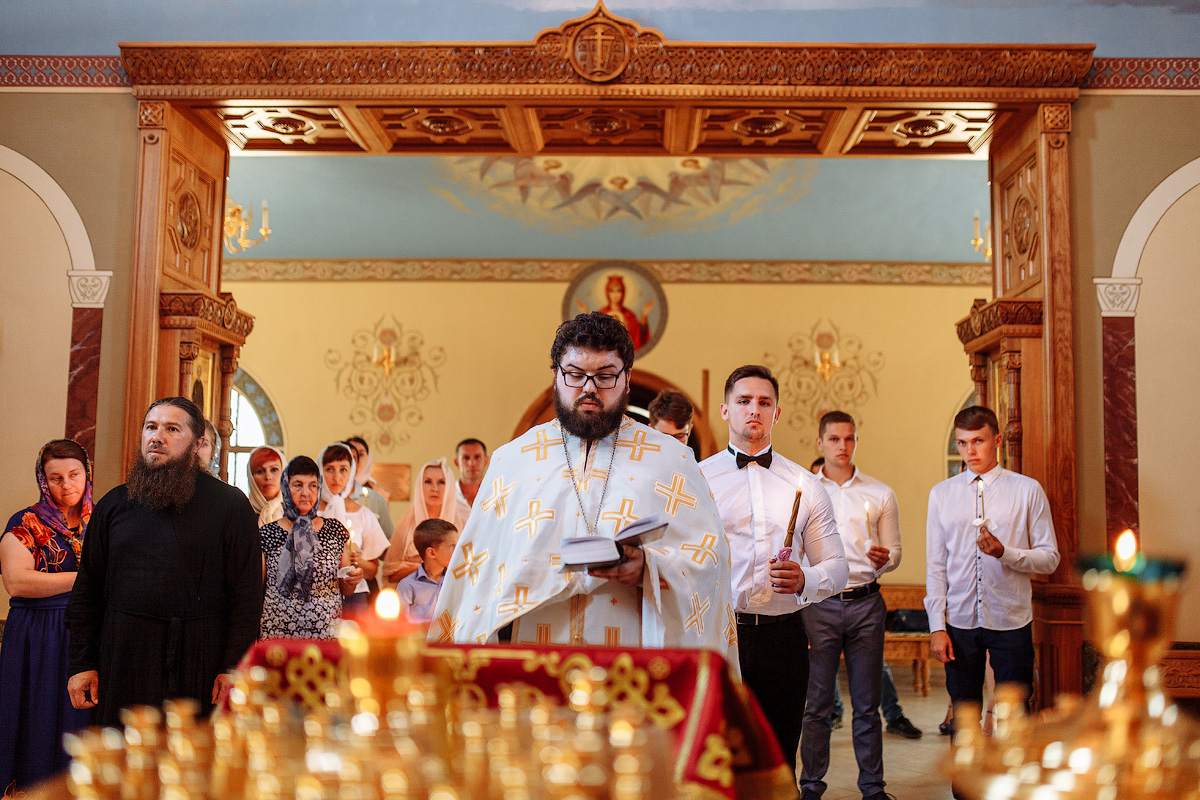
(449,626)
(572,474)
(542,445)
(471,562)
(543,633)
(556,560)
(499,498)
(696,618)
(704,550)
(520,600)
(612,637)
(730,627)
(500,579)
(675,494)
(535,518)
(621,517)
(638,446)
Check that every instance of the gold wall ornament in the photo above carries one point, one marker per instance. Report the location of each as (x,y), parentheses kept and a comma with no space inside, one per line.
(387,375)
(824,370)
(237,221)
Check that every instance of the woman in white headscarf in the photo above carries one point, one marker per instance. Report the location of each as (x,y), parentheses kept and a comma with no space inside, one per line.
(265,471)
(433,496)
(337,471)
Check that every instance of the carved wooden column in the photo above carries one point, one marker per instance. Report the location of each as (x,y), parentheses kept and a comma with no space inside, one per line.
(224,422)
(1118,304)
(1030,173)
(181,192)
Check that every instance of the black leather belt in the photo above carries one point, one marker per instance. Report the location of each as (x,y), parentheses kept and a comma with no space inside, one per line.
(761,619)
(859,592)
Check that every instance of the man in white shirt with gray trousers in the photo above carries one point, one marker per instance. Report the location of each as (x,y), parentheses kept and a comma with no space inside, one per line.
(851,621)
(755,490)
(987,530)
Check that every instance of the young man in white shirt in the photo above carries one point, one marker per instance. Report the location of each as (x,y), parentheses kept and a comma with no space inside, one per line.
(850,622)
(755,489)
(987,530)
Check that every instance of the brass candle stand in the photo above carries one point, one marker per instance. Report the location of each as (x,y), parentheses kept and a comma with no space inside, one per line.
(1124,741)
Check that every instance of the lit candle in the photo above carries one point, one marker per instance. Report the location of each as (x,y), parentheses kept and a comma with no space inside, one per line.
(377,648)
(979,501)
(976,224)
(1126,553)
(785,553)
(867,511)
(265,225)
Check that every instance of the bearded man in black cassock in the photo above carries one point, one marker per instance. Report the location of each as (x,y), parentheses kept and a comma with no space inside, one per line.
(169,591)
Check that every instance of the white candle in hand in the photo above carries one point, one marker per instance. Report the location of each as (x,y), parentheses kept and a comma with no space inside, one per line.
(867,510)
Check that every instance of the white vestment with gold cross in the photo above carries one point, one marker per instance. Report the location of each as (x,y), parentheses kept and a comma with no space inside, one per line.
(507,567)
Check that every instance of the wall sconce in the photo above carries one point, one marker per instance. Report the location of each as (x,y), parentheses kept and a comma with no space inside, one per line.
(385,359)
(978,243)
(236,225)
(825,355)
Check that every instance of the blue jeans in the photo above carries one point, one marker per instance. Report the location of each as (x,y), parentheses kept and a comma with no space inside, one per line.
(889,700)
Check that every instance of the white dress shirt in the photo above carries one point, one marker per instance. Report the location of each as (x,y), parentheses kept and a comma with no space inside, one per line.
(967,588)
(852,517)
(460,500)
(755,504)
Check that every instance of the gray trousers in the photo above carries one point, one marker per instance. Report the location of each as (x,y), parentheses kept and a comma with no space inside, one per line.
(856,628)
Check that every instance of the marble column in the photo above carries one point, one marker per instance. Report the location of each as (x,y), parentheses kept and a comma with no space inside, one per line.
(1118,305)
(88,290)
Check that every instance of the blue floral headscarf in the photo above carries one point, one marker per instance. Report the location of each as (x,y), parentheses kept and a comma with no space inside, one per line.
(296,567)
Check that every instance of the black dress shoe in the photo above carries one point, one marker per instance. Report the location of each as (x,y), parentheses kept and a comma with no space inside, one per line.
(902,727)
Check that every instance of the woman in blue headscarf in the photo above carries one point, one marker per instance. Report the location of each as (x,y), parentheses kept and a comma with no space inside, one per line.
(307,561)
(39,557)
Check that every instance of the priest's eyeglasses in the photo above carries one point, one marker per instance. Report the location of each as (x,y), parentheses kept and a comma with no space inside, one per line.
(578,380)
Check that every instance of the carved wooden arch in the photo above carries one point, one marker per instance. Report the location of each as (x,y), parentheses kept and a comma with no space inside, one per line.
(542,410)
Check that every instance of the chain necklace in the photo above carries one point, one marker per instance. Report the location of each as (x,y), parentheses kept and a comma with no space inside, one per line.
(603,492)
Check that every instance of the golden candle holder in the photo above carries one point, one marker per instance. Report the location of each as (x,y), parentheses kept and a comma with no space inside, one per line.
(1126,740)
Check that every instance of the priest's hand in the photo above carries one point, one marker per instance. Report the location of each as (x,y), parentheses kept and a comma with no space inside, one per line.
(221,687)
(939,645)
(84,689)
(786,577)
(878,556)
(990,545)
(628,572)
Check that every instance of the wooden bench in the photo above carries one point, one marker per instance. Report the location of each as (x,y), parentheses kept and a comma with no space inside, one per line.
(910,647)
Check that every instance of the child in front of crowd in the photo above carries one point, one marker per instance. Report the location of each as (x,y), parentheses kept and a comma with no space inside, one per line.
(435,540)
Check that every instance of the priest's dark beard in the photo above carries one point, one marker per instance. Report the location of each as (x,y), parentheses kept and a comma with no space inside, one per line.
(592,426)
(167,485)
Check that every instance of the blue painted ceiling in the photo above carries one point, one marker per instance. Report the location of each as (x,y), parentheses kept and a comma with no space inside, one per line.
(426,207)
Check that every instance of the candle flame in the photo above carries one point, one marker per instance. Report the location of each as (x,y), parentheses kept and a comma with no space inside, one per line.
(1126,551)
(867,506)
(387,604)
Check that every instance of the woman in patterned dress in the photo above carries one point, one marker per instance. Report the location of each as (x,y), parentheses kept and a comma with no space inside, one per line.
(306,560)
(39,557)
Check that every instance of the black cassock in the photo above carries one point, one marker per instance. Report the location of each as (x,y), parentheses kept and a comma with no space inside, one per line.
(165,600)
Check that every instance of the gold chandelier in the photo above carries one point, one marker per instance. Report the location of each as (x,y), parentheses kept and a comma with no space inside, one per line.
(237,222)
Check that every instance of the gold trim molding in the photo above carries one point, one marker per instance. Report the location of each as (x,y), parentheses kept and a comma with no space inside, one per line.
(562,270)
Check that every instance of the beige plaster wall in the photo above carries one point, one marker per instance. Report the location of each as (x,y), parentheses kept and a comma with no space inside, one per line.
(497,339)
(88,143)
(1168,340)
(1122,147)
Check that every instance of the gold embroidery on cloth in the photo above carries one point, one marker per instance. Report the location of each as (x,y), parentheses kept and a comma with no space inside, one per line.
(716,763)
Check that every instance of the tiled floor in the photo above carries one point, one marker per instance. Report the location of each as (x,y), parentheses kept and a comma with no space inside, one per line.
(911,767)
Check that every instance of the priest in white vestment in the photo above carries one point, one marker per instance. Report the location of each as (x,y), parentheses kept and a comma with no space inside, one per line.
(590,472)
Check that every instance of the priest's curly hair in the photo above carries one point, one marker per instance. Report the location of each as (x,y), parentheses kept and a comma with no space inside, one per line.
(595,331)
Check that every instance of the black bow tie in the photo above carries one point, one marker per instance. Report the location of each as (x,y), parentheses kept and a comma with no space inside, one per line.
(763,459)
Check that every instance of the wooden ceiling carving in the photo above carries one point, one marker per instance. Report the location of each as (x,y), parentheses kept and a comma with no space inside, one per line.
(600,84)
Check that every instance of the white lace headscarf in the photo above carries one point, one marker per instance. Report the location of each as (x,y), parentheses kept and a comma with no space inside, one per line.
(268,510)
(335,504)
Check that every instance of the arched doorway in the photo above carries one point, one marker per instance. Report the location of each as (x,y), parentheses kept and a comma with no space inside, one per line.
(643,386)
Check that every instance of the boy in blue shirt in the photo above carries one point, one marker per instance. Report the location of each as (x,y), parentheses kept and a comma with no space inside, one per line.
(435,540)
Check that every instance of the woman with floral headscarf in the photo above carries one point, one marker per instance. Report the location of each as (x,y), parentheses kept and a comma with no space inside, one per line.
(307,561)
(39,557)
(432,497)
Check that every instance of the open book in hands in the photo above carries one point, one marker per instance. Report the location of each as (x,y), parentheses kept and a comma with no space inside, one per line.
(598,552)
